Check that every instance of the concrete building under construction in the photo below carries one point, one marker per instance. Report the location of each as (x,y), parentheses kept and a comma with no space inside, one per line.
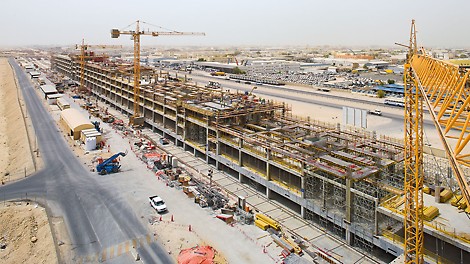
(350,182)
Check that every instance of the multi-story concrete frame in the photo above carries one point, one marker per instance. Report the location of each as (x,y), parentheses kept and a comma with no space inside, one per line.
(331,176)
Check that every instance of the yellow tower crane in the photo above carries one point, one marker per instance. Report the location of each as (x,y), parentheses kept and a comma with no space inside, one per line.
(83,49)
(136,119)
(445,89)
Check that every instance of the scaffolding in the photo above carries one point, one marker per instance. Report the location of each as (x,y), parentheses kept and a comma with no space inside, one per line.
(325,164)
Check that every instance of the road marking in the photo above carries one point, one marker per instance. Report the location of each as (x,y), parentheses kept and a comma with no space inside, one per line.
(103,255)
(120,249)
(134,243)
(126,247)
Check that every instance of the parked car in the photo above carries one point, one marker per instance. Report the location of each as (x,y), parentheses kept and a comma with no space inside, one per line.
(376,112)
(157,203)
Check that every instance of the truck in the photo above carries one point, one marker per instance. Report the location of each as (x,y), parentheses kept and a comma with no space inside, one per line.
(219,73)
(110,165)
(157,203)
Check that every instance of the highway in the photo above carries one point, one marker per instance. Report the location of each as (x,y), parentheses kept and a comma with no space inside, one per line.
(298,95)
(95,216)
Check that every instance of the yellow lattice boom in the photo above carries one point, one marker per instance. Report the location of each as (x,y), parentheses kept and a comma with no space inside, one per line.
(443,87)
(447,91)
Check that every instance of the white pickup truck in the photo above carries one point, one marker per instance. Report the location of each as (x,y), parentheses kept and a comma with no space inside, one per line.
(157,203)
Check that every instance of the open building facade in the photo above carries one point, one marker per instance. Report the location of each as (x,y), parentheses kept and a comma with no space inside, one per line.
(347,181)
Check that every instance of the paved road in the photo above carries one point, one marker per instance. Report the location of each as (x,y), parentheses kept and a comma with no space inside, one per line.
(96,218)
(303,96)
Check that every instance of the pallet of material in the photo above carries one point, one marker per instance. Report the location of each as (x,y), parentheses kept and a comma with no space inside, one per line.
(282,243)
(445,195)
(429,213)
(272,223)
(261,224)
(462,204)
(467,210)
(455,200)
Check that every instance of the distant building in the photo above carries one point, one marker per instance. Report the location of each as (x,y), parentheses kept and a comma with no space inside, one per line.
(223,67)
(377,65)
(272,66)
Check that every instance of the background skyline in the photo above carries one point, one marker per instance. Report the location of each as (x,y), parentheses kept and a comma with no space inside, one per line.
(246,23)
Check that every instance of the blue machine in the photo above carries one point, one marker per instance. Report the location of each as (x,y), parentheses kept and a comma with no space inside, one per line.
(110,165)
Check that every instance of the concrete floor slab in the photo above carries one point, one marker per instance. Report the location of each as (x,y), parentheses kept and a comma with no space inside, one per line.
(308,232)
(292,223)
(276,213)
(254,200)
(347,255)
(223,181)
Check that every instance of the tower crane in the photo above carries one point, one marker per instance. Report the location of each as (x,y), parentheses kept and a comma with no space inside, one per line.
(83,48)
(445,89)
(136,119)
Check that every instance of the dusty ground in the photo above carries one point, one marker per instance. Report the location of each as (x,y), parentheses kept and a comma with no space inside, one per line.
(176,237)
(16,159)
(26,234)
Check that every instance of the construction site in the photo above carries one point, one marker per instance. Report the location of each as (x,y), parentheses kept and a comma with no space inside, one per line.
(350,182)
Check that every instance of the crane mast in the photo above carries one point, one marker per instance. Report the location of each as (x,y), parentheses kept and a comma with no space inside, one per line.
(414,174)
(136,119)
(83,48)
(445,89)
(136,37)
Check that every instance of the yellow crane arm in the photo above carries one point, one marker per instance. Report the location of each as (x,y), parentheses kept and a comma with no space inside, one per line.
(448,99)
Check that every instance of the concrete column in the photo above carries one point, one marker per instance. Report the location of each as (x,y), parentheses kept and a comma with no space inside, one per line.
(240,145)
(240,177)
(348,200)
(268,157)
(268,193)
(302,212)
(217,150)
(164,113)
(302,181)
(153,111)
(176,122)
(376,223)
(207,138)
(347,227)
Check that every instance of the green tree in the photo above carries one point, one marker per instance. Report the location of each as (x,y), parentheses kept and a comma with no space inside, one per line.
(390,81)
(237,70)
(201,59)
(380,94)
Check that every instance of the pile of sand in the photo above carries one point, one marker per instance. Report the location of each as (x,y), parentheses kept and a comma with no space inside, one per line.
(177,238)
(15,153)
(25,235)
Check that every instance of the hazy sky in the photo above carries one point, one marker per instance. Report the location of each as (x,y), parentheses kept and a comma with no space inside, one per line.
(238,22)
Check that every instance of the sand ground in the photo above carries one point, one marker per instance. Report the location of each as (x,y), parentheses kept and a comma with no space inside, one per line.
(26,234)
(16,158)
